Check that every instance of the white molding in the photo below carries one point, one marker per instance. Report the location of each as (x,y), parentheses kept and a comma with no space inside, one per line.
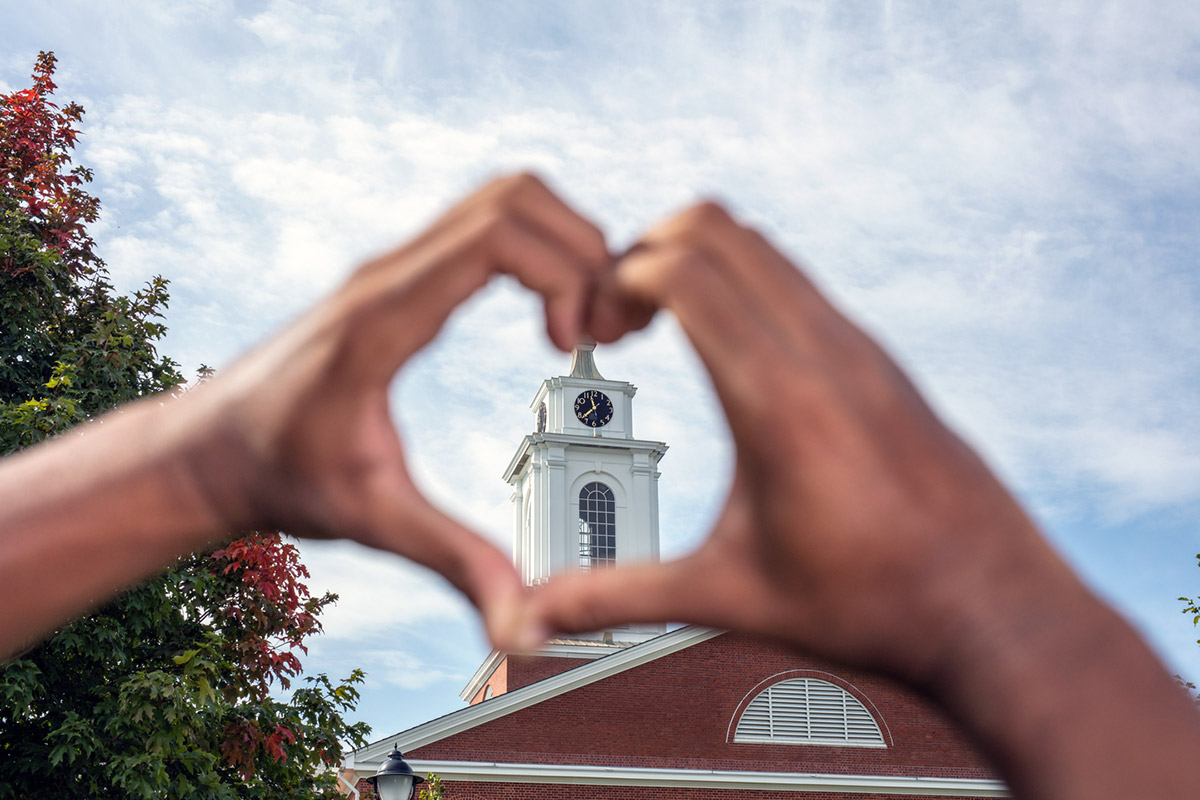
(804,742)
(481,675)
(711,779)
(589,652)
(533,440)
(502,705)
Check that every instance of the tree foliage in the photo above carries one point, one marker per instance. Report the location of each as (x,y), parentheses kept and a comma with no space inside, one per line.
(72,347)
(1192,608)
(171,689)
(433,787)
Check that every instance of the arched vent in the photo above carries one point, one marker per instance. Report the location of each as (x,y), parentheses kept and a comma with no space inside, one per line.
(808,711)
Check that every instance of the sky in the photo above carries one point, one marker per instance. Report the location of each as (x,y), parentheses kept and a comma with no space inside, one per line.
(1006,195)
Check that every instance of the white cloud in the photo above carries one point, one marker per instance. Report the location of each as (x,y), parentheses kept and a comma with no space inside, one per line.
(953,209)
(1006,196)
(405,670)
(378,593)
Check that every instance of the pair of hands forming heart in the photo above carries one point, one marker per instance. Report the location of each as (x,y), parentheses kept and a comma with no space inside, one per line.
(857,526)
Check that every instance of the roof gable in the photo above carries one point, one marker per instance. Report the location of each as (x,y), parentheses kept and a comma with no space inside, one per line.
(527,696)
(673,703)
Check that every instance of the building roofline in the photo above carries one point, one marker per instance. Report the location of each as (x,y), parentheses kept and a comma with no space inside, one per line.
(502,705)
(906,785)
(555,648)
(482,675)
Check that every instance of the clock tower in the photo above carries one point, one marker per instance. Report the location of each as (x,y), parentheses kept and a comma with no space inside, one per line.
(585,491)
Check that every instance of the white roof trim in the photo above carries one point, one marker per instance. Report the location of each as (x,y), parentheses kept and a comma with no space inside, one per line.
(583,651)
(534,693)
(710,779)
(481,675)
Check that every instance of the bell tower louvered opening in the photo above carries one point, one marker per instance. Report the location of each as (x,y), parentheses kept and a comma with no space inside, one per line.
(808,711)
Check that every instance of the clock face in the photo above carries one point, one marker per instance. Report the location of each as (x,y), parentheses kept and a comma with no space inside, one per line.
(541,418)
(593,408)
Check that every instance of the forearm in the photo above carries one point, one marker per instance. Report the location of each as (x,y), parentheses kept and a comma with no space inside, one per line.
(1068,699)
(91,512)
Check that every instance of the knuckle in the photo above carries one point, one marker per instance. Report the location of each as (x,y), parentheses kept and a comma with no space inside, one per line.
(519,185)
(707,214)
(487,236)
(598,243)
(494,226)
(683,263)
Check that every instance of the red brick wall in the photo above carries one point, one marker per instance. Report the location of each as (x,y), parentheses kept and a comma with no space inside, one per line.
(675,712)
(524,670)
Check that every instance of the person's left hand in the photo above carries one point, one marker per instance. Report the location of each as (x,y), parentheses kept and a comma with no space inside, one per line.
(297,435)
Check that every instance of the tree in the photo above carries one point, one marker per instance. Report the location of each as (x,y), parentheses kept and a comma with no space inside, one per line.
(168,690)
(432,788)
(1192,607)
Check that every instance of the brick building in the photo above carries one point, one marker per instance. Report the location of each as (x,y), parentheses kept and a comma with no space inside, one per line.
(637,712)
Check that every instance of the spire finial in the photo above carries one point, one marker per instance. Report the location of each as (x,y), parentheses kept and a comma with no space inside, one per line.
(583,365)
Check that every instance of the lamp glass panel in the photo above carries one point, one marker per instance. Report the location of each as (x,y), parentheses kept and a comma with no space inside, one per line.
(394,787)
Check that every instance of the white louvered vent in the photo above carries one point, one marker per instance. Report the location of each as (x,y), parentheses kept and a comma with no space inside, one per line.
(808,711)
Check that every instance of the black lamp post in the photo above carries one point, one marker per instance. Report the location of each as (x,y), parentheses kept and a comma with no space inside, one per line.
(395,779)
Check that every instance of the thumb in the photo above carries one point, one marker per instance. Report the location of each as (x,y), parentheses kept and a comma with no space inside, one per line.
(473,565)
(578,602)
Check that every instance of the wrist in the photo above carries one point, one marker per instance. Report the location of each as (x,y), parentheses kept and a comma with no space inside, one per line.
(1062,692)
(210,462)
(159,442)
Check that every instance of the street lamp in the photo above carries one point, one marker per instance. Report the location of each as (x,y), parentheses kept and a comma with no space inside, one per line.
(395,779)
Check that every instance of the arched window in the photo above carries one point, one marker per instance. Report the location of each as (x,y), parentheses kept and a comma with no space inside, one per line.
(808,711)
(597,526)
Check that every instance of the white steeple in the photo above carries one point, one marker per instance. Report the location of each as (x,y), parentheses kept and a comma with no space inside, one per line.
(585,491)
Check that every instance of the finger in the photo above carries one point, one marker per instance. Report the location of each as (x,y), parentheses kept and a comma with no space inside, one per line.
(530,198)
(420,532)
(579,602)
(540,265)
(720,585)
(780,291)
(740,350)
(614,313)
(400,306)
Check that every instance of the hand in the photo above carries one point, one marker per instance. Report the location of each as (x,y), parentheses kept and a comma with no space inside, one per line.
(297,435)
(857,525)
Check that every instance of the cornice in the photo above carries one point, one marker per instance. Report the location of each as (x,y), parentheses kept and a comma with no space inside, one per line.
(907,785)
(535,440)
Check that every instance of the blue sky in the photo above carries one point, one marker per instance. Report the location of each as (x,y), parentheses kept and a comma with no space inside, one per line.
(1005,194)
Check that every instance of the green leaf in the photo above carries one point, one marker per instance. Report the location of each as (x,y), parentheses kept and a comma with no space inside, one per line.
(170,689)
(186,657)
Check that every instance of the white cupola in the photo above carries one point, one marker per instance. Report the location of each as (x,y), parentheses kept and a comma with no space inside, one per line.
(585,491)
